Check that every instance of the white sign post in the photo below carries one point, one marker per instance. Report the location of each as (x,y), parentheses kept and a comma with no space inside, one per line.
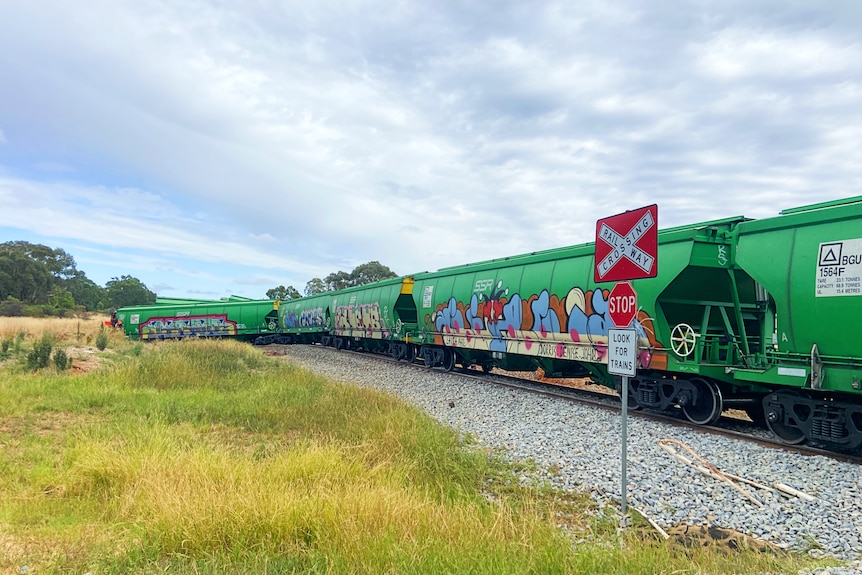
(622,360)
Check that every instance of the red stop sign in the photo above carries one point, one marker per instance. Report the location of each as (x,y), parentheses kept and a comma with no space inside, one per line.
(622,304)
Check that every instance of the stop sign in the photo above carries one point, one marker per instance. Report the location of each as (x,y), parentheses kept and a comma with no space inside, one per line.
(622,304)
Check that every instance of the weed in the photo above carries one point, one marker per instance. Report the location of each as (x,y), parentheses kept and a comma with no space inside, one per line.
(102,340)
(61,360)
(40,356)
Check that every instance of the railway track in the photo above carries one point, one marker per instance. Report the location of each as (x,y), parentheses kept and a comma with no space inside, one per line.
(734,428)
(727,426)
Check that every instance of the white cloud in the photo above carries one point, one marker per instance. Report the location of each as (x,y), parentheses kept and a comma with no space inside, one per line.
(128,218)
(737,54)
(310,138)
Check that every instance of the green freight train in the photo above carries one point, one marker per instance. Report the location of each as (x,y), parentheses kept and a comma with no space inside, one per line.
(375,317)
(758,315)
(807,267)
(302,320)
(177,319)
(754,314)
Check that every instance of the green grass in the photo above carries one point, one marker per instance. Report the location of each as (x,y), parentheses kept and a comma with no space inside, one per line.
(208,457)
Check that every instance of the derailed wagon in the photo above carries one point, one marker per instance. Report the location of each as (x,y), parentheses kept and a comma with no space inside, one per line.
(242,319)
(303,320)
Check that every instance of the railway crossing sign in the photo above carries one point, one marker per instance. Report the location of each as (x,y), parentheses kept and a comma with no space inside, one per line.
(622,304)
(627,245)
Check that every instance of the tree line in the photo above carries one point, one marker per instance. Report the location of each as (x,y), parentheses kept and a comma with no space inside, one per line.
(362,274)
(37,280)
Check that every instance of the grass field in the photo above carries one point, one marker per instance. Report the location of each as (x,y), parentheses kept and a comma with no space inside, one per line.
(67,330)
(209,457)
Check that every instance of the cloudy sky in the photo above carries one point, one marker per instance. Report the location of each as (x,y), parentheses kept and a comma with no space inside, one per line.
(227,147)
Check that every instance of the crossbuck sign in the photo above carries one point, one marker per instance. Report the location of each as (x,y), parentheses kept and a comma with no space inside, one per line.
(627,245)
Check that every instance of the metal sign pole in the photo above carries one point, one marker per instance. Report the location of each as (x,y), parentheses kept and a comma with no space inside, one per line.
(622,361)
(625,395)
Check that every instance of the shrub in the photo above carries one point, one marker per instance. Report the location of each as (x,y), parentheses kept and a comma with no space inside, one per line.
(11,307)
(102,339)
(40,356)
(61,360)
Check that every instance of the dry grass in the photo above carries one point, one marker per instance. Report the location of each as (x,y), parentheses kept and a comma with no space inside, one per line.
(207,457)
(199,500)
(65,329)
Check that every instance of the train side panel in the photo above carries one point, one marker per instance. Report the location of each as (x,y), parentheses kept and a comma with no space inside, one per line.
(809,261)
(545,310)
(369,315)
(304,320)
(243,320)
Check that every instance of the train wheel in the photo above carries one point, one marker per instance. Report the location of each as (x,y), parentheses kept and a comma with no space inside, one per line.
(425,354)
(777,422)
(403,352)
(448,360)
(632,397)
(709,404)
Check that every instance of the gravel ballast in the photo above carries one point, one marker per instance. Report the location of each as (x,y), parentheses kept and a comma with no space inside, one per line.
(579,448)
